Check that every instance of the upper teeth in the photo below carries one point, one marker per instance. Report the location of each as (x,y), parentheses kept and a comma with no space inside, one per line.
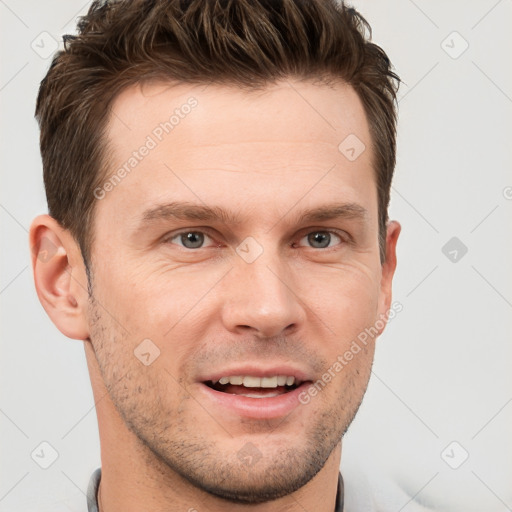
(257,382)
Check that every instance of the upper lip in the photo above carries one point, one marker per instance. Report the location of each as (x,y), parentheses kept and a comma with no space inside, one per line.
(257,371)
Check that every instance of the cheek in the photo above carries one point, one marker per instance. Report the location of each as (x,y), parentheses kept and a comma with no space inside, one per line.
(175,309)
(345,299)
(146,300)
(134,365)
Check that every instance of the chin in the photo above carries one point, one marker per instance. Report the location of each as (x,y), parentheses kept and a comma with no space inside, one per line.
(259,486)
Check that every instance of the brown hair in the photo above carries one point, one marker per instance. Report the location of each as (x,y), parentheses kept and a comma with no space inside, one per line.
(248,43)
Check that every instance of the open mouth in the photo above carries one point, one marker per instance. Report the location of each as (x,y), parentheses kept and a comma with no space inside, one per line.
(255,387)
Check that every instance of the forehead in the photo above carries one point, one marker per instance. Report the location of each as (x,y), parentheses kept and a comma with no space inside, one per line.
(206,143)
(286,110)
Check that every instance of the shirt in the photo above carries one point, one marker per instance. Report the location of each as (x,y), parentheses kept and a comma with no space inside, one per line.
(94,482)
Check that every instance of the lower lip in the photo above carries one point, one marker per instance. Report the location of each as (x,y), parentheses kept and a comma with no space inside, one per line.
(256,408)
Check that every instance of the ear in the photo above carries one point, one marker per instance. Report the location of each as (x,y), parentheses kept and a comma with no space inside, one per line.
(388,271)
(59,276)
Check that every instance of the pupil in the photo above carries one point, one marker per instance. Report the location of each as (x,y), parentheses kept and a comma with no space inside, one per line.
(321,238)
(192,240)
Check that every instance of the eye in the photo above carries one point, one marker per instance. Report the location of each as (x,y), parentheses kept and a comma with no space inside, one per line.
(321,239)
(189,239)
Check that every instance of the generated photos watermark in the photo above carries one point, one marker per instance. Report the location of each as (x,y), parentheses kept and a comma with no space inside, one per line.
(355,347)
(156,136)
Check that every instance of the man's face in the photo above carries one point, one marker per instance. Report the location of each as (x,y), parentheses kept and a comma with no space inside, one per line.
(262,291)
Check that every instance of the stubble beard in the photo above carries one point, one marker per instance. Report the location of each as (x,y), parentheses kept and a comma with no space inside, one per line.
(172,448)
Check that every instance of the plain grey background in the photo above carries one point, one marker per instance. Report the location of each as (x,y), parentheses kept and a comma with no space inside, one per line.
(433,432)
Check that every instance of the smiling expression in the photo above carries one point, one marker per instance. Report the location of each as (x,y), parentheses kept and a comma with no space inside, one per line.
(239,250)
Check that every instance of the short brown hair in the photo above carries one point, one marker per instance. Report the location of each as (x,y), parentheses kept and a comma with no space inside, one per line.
(248,43)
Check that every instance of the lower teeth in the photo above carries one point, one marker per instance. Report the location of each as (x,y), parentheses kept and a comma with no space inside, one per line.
(249,395)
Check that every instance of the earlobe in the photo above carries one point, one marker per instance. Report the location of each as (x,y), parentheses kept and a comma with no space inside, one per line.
(388,270)
(59,276)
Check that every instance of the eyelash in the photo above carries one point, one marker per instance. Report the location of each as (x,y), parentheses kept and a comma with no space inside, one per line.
(343,236)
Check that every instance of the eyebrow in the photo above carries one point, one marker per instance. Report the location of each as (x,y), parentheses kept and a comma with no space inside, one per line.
(186,211)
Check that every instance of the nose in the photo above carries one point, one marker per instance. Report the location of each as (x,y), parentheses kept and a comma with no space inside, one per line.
(261,298)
